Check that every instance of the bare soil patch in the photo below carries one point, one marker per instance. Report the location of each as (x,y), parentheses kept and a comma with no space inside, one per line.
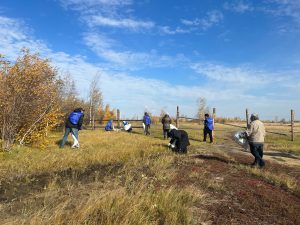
(235,197)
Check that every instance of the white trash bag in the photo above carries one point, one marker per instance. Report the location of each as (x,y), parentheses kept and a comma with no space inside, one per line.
(240,137)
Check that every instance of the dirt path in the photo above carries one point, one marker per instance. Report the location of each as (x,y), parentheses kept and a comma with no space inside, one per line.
(235,197)
(284,158)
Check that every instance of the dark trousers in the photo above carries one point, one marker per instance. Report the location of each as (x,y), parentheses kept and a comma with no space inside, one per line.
(209,132)
(74,131)
(257,151)
(147,128)
(165,132)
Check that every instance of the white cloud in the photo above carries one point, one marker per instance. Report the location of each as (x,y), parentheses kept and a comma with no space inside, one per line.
(14,36)
(133,93)
(88,4)
(241,75)
(278,8)
(238,6)
(212,18)
(177,30)
(119,23)
(104,48)
(108,13)
(290,8)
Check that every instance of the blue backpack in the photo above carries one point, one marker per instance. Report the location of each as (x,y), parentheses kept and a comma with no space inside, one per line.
(209,122)
(74,117)
(147,120)
(109,126)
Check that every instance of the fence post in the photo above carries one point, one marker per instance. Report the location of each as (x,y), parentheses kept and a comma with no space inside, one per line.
(118,118)
(247,118)
(177,117)
(214,114)
(292,126)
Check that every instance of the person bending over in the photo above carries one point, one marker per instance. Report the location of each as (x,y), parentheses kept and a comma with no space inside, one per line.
(109,126)
(179,140)
(73,125)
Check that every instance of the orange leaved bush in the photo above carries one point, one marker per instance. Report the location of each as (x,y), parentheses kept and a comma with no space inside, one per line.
(29,97)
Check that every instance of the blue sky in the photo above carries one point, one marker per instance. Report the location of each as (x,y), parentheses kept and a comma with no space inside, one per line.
(152,55)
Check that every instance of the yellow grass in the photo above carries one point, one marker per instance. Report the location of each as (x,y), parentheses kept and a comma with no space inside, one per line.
(133,189)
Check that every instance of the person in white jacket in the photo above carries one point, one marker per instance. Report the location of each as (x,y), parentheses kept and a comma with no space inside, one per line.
(256,136)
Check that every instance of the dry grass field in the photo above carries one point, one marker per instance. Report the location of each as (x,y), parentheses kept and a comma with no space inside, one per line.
(129,178)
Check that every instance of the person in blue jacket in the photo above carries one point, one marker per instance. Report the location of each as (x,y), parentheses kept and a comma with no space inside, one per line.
(147,122)
(208,128)
(73,125)
(109,126)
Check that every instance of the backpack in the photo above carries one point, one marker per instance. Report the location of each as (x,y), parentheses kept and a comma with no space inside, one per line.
(147,120)
(74,117)
(209,123)
(109,126)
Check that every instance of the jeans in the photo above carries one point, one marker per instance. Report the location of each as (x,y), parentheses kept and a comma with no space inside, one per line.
(209,132)
(257,151)
(68,130)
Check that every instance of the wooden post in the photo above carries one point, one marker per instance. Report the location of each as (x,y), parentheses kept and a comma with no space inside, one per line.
(214,114)
(118,118)
(177,117)
(292,126)
(214,117)
(247,118)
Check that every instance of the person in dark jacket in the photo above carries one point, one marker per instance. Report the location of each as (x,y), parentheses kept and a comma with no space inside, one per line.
(73,125)
(208,128)
(166,121)
(179,140)
(147,122)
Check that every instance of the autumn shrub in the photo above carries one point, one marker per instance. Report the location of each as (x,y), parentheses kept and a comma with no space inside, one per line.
(29,96)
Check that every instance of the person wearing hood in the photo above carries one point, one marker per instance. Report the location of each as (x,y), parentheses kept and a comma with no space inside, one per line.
(208,128)
(73,125)
(166,121)
(256,137)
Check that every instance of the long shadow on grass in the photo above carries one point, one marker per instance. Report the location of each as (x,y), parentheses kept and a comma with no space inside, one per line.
(68,143)
(282,154)
(217,158)
(23,186)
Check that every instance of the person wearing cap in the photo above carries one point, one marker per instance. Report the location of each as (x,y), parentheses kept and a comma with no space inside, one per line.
(256,137)
(73,125)
(166,122)
(208,128)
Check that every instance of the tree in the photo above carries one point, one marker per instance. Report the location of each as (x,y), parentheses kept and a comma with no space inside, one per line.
(107,113)
(201,102)
(29,97)
(68,95)
(95,100)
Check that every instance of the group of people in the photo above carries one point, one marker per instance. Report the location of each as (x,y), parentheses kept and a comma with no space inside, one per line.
(255,133)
